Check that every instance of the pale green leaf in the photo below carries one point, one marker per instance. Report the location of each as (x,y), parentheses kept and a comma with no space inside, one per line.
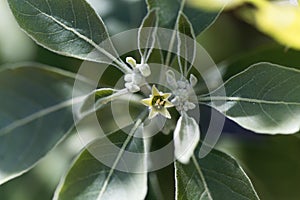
(217,176)
(36,113)
(89,179)
(264,98)
(279,21)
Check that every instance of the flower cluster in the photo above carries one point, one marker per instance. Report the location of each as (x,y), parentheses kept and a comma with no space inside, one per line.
(182,90)
(139,72)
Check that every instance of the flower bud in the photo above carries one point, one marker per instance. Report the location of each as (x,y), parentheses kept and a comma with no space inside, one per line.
(171,78)
(128,77)
(193,80)
(144,69)
(131,61)
(132,87)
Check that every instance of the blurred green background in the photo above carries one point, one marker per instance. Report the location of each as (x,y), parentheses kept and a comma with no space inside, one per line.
(272,162)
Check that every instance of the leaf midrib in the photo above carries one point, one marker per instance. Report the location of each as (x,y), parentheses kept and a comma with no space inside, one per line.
(243,99)
(112,169)
(41,113)
(198,168)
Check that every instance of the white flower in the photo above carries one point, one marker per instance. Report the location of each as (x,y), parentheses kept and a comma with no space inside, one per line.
(182,89)
(158,103)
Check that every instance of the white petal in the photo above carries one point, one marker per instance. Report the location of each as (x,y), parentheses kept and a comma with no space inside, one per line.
(186,137)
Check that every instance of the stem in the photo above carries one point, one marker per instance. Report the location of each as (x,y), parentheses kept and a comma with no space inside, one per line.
(174,34)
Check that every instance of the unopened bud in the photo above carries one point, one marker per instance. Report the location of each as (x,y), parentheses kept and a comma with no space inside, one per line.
(131,61)
(144,69)
(193,80)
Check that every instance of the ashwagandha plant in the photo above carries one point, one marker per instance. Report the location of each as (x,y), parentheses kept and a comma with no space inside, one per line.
(163,82)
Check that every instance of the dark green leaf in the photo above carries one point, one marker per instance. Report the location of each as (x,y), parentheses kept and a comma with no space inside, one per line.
(217,176)
(200,19)
(169,9)
(273,54)
(89,179)
(36,113)
(264,98)
(146,35)
(118,14)
(271,162)
(71,28)
(186,44)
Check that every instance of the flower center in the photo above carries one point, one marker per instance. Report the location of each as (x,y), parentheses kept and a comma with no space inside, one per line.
(158,102)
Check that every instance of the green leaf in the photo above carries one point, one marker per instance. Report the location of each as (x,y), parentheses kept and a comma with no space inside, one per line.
(200,19)
(90,179)
(168,11)
(186,44)
(71,28)
(146,35)
(271,161)
(274,54)
(36,113)
(186,138)
(217,176)
(264,98)
(118,14)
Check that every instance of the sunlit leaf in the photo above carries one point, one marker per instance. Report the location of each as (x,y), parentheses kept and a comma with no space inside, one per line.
(264,98)
(213,5)
(280,21)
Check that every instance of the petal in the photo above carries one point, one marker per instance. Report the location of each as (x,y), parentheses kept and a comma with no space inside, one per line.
(152,114)
(155,91)
(165,113)
(166,95)
(168,104)
(147,102)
